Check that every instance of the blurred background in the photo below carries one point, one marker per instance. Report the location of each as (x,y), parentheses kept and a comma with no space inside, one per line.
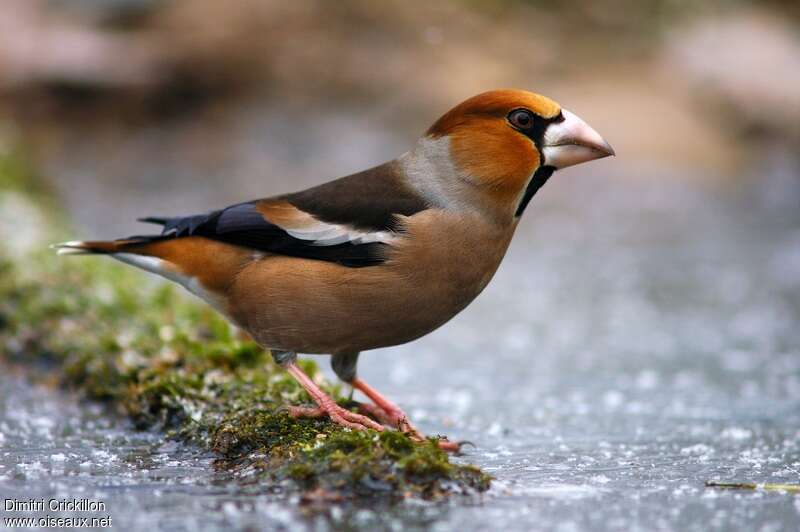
(168,106)
(643,334)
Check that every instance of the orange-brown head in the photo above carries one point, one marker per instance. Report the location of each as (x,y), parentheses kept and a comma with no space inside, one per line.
(510,141)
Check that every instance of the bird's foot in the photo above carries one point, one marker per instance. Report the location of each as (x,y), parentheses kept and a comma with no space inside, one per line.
(355,421)
(383,409)
(392,415)
(398,419)
(451,446)
(326,405)
(337,414)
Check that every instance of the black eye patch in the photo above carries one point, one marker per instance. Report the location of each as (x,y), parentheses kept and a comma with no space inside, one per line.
(532,125)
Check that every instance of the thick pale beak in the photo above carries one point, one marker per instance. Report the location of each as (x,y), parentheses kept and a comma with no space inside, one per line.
(572,141)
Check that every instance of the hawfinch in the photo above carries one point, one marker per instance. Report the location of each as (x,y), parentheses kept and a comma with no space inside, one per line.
(373,259)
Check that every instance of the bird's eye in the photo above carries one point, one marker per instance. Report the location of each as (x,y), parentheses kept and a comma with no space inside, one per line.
(521,119)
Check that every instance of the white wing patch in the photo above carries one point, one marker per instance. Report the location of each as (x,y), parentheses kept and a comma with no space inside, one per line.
(318,233)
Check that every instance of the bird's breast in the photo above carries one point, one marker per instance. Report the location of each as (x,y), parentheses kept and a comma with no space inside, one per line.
(450,257)
(438,266)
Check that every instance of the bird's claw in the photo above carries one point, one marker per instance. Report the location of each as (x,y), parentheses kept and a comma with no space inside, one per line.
(399,420)
(453,446)
(338,415)
(346,418)
(393,418)
(304,411)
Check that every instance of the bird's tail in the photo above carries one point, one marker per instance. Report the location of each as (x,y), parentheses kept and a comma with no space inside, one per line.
(100,247)
(110,247)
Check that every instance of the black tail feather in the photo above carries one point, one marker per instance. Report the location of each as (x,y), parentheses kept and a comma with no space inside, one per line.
(182,225)
(153,220)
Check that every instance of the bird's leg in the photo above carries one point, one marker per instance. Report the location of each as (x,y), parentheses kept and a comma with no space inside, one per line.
(344,365)
(391,414)
(326,405)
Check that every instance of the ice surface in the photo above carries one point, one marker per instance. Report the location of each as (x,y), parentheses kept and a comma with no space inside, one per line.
(641,338)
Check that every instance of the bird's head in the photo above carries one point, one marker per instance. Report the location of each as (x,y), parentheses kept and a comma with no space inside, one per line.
(507,143)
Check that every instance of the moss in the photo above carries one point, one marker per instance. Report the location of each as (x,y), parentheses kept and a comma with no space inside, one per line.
(166,361)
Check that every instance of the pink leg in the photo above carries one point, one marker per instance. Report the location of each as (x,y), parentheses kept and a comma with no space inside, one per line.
(394,415)
(306,411)
(338,415)
(376,412)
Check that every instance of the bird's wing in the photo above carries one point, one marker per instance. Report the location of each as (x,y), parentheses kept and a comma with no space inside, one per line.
(348,221)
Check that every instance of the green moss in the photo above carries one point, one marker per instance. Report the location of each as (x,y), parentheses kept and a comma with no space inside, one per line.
(162,359)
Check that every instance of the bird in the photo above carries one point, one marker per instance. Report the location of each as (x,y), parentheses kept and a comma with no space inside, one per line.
(374,259)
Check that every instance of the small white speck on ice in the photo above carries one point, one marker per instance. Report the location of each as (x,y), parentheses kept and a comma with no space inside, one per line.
(495,429)
(562,491)
(700,450)
(613,399)
(736,433)
(647,380)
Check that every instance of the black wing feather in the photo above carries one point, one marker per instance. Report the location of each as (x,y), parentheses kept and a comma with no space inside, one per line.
(243,225)
(369,201)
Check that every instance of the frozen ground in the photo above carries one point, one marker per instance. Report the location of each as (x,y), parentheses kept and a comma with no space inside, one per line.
(642,337)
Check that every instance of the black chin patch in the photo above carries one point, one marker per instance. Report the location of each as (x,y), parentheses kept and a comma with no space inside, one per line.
(539,178)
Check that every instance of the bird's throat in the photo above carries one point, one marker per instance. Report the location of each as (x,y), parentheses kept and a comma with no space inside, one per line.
(539,178)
